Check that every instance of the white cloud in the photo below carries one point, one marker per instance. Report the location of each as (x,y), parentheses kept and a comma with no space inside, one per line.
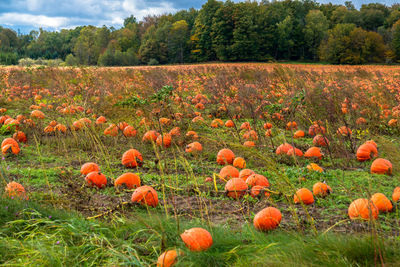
(139,10)
(34,20)
(57,14)
(34,5)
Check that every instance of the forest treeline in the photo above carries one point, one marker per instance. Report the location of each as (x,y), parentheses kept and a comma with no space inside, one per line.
(223,31)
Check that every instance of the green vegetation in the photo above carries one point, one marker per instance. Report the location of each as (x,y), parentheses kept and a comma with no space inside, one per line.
(33,235)
(221,31)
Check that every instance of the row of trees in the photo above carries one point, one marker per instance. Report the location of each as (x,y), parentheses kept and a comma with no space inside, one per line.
(224,31)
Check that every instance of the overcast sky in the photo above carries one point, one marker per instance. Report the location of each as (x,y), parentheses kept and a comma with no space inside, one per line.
(57,14)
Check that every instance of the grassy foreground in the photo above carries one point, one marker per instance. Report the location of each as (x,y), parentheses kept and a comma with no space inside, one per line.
(33,235)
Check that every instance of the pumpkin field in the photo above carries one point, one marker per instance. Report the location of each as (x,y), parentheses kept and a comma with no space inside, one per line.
(200,165)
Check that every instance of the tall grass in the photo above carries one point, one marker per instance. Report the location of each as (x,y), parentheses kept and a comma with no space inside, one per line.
(33,235)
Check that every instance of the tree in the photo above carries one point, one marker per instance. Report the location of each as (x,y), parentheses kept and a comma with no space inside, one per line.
(396,39)
(128,37)
(373,16)
(70,60)
(222,31)
(315,30)
(129,20)
(284,30)
(102,38)
(202,42)
(85,49)
(154,44)
(245,34)
(338,42)
(113,56)
(346,16)
(178,39)
(348,44)
(392,18)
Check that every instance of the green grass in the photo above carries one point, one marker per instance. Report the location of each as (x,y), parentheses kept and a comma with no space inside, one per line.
(35,235)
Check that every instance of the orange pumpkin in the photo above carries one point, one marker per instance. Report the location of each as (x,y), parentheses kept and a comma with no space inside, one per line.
(9,141)
(192,134)
(381,202)
(313,152)
(245,126)
(48,129)
(14,189)
(37,114)
(245,173)
(89,167)
(150,136)
(257,179)
(4,118)
(381,166)
(101,120)
(164,140)
(132,158)
(229,124)
(228,172)
(130,180)
(321,189)
(295,151)
(283,149)
(239,163)
(20,137)
(167,259)
(20,118)
(194,147)
(225,156)
(366,151)
(298,134)
(396,194)
(145,195)
(96,178)
(267,125)
(249,144)
(61,128)
(236,188)
(267,219)
(372,142)
(362,208)
(111,130)
(314,167)
(77,125)
(320,140)
(197,239)
(303,195)
(175,131)
(14,149)
(361,121)
(217,123)
(129,131)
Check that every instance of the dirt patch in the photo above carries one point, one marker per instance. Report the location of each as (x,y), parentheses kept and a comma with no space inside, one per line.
(215,209)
